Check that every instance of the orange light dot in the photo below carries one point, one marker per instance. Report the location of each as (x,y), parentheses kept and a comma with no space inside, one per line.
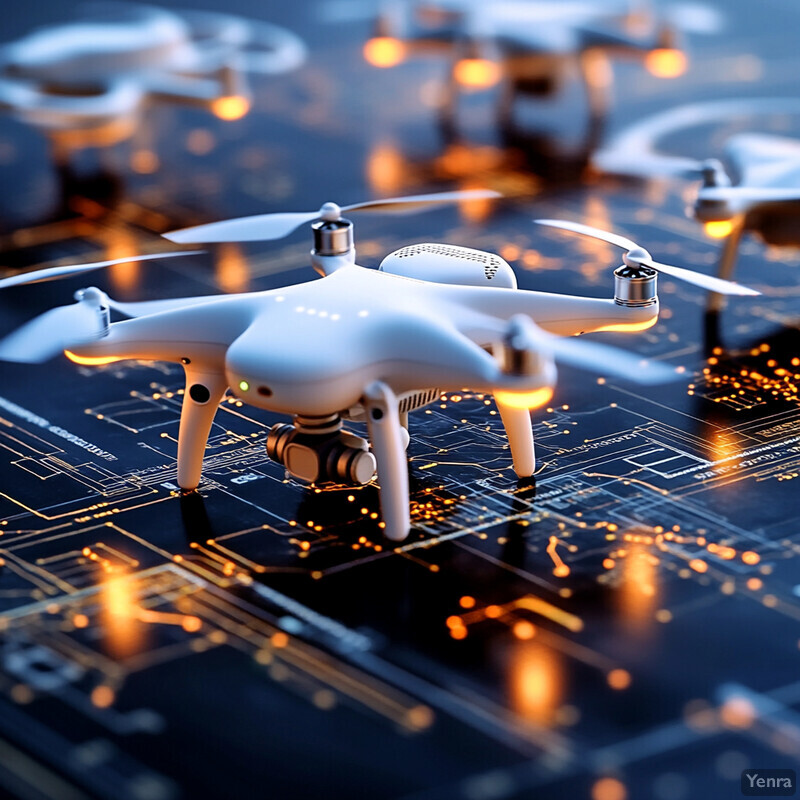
(619,679)
(384,51)
(666,62)
(230,107)
(737,712)
(191,624)
(102,696)
(698,565)
(145,162)
(751,558)
(477,73)
(458,633)
(561,571)
(718,229)
(80,621)
(467,602)
(524,630)
(609,563)
(279,639)
(493,612)
(609,789)
(454,622)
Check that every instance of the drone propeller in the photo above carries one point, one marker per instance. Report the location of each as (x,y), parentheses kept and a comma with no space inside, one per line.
(264,227)
(64,327)
(58,329)
(638,256)
(54,273)
(583,354)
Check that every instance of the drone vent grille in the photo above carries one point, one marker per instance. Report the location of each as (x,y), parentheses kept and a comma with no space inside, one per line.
(412,402)
(491,263)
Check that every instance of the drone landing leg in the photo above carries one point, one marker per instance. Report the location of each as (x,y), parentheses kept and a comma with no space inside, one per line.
(449,107)
(596,74)
(204,391)
(727,261)
(385,433)
(517,422)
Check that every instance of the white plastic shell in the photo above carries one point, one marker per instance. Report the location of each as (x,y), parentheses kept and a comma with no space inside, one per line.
(448,263)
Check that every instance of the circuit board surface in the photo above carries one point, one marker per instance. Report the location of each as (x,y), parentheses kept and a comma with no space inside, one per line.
(626,627)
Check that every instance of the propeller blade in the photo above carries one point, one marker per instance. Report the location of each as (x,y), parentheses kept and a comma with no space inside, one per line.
(47,335)
(266,227)
(587,230)
(591,356)
(54,273)
(259,228)
(709,282)
(602,359)
(641,256)
(413,203)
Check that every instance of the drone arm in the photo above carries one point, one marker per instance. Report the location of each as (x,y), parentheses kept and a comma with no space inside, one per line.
(198,90)
(385,433)
(564,315)
(198,332)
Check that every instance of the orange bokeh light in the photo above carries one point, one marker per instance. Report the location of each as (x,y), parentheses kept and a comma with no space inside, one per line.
(718,229)
(230,107)
(384,51)
(477,73)
(666,62)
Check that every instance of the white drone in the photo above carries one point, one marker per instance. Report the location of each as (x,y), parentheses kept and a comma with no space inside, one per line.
(359,344)
(86,82)
(765,200)
(532,47)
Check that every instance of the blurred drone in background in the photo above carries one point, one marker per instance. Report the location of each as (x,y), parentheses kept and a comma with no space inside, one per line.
(765,200)
(531,49)
(85,83)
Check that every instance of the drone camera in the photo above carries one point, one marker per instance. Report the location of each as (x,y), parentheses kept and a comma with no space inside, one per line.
(319,451)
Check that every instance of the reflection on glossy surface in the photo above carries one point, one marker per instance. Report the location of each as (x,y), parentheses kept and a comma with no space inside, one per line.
(638,589)
(536,681)
(232,270)
(124,632)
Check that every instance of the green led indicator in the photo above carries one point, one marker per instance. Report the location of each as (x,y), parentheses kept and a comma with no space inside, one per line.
(244,386)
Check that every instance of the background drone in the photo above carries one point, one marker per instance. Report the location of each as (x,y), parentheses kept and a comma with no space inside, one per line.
(85,83)
(359,344)
(533,48)
(764,200)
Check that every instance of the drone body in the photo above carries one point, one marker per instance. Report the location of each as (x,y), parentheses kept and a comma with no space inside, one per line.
(85,83)
(359,344)
(531,49)
(356,339)
(765,201)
